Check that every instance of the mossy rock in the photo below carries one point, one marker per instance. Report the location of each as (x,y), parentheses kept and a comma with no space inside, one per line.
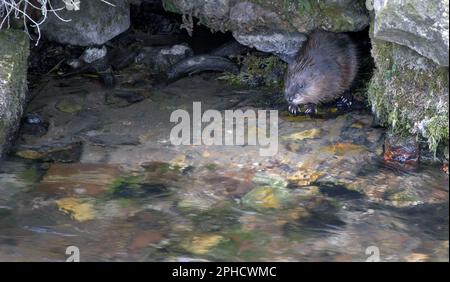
(14,50)
(267,198)
(409,94)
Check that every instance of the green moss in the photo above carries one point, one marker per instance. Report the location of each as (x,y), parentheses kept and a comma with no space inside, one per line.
(259,71)
(30,175)
(408,100)
(169,6)
(437,132)
(211,166)
(136,186)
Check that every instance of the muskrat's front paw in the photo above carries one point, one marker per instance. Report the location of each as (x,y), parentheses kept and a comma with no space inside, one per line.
(310,110)
(344,103)
(293,109)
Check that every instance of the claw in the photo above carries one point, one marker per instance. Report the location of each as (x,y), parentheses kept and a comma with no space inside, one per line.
(344,103)
(293,109)
(310,109)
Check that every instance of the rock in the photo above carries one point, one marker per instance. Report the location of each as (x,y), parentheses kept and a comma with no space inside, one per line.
(94,24)
(92,54)
(78,209)
(74,63)
(34,125)
(78,179)
(284,45)
(263,198)
(400,151)
(342,149)
(445,168)
(409,94)
(161,59)
(422,26)
(270,180)
(304,177)
(201,244)
(71,104)
(306,134)
(122,98)
(54,152)
(196,201)
(14,50)
(273,26)
(144,239)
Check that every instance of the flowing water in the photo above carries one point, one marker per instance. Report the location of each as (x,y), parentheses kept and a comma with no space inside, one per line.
(105,178)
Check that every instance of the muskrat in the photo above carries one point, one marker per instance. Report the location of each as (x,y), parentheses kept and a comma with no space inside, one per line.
(322,71)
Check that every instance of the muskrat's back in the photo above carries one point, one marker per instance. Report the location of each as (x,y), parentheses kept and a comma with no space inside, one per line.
(324,68)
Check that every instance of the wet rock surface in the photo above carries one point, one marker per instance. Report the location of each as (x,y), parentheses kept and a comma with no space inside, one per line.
(13,83)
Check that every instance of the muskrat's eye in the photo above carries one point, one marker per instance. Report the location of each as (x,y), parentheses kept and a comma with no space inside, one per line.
(301,86)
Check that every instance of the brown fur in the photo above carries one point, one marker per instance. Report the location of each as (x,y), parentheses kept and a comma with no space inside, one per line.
(325,66)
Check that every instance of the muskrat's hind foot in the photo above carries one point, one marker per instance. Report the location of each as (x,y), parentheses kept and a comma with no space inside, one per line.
(344,103)
(310,110)
(293,109)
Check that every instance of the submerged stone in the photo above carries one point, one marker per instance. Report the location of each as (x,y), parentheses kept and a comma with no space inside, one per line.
(403,152)
(341,149)
(270,180)
(55,152)
(306,134)
(78,209)
(202,244)
(78,179)
(123,98)
(267,198)
(70,104)
(304,177)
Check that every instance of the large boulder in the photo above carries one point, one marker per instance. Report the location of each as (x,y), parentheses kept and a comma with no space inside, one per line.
(93,24)
(420,25)
(14,50)
(273,26)
(409,89)
(409,94)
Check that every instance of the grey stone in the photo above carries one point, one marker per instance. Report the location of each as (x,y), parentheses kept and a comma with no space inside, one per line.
(92,54)
(94,24)
(284,45)
(161,58)
(246,16)
(14,50)
(273,26)
(420,25)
